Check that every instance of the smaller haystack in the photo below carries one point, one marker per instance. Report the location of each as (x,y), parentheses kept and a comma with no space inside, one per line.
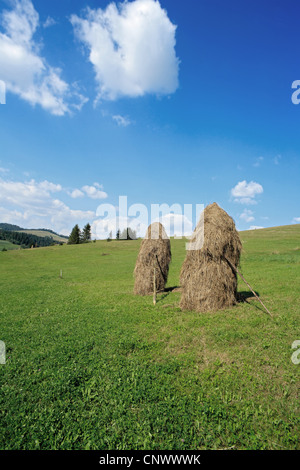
(207,280)
(155,253)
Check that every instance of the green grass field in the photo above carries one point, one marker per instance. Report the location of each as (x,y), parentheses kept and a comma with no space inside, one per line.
(7,245)
(91,366)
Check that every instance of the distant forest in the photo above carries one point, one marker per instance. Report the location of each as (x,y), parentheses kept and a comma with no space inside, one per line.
(16,228)
(26,240)
(10,227)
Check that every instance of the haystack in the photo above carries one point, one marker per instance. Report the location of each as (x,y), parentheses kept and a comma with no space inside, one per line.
(155,253)
(207,280)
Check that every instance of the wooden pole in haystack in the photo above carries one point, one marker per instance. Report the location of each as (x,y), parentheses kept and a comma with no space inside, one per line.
(238,272)
(154,287)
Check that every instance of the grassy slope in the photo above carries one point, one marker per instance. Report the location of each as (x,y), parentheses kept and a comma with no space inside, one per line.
(43,233)
(89,365)
(9,246)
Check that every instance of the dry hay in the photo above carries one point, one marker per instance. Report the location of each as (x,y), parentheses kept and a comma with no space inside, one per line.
(208,282)
(155,253)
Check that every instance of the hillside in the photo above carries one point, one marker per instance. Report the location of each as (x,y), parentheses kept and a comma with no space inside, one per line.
(26,240)
(46,233)
(91,366)
(36,232)
(12,227)
(4,244)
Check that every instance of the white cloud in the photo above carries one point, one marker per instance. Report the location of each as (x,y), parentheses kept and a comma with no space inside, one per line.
(131,47)
(245,193)
(25,72)
(121,120)
(4,170)
(94,192)
(51,187)
(34,204)
(49,22)
(28,193)
(76,193)
(255,227)
(247,216)
(296,220)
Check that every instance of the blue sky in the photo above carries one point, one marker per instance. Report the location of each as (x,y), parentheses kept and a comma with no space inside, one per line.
(164,102)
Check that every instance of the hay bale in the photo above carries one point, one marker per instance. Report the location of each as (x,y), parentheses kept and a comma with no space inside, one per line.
(208,282)
(155,252)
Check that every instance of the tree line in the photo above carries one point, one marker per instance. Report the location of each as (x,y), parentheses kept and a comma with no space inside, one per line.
(26,240)
(78,236)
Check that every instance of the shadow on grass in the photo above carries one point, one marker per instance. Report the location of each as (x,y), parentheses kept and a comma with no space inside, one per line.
(167,291)
(245,295)
(242,297)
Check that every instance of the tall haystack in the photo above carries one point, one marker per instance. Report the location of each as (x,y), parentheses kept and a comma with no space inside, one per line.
(207,281)
(155,253)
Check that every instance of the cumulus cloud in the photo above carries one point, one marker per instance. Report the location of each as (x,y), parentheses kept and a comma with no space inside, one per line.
(94,192)
(247,215)
(255,227)
(25,71)
(131,47)
(36,205)
(245,193)
(296,220)
(76,193)
(28,193)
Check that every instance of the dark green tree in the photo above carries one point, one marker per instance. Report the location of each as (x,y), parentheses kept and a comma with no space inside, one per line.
(118,234)
(75,236)
(86,233)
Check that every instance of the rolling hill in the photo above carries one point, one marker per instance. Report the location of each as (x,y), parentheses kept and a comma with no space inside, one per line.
(36,232)
(46,233)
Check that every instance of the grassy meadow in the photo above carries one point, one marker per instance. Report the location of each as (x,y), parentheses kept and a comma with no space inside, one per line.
(4,244)
(91,366)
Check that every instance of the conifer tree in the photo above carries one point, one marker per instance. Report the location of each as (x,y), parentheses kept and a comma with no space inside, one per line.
(75,236)
(86,233)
